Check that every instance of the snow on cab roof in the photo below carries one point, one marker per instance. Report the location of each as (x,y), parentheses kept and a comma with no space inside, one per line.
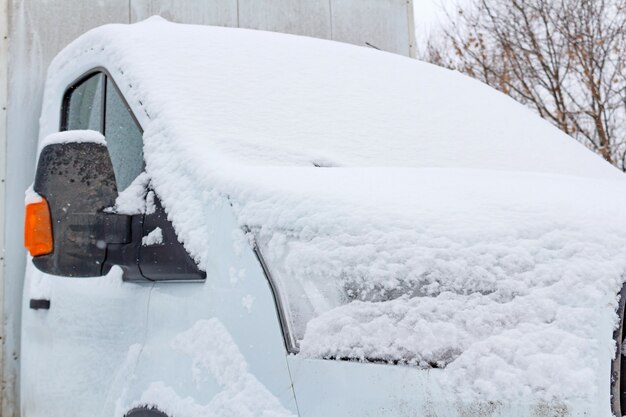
(408,213)
(264,98)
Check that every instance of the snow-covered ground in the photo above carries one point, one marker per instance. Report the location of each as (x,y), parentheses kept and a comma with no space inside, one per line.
(407,213)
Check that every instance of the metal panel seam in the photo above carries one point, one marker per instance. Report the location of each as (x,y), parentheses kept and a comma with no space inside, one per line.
(4,75)
(238,24)
(330,16)
(411,24)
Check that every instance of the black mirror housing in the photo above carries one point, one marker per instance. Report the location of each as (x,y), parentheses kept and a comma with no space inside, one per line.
(78,182)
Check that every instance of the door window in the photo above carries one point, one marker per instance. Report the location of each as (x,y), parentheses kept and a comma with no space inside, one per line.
(124,138)
(95,103)
(84,105)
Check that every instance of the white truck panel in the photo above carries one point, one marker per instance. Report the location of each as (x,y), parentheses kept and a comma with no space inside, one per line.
(253,326)
(384,24)
(81,356)
(57,22)
(4,56)
(310,18)
(214,12)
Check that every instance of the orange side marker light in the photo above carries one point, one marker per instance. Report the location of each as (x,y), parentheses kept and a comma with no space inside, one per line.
(38,228)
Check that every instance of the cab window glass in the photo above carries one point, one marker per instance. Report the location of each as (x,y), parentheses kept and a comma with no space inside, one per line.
(124,138)
(84,107)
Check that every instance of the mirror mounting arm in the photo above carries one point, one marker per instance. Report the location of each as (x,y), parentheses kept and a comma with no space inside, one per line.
(125,252)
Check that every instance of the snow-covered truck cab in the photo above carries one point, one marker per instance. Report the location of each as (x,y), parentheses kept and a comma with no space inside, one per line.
(235,222)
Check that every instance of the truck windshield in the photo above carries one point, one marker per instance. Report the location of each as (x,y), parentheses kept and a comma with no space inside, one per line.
(306,295)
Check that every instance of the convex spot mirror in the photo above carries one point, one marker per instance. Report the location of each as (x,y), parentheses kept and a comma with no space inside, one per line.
(75,177)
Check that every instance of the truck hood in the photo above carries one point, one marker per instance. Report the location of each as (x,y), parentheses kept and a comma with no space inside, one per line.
(505,281)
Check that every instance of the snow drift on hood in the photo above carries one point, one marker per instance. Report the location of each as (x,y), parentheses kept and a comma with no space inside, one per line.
(446,224)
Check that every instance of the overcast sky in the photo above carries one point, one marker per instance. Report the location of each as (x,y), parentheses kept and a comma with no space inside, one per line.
(425,11)
(426,14)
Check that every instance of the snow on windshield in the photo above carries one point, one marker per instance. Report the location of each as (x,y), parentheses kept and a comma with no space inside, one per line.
(407,213)
(463,255)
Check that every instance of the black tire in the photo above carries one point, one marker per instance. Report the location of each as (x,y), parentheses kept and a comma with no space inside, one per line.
(146,412)
(618,367)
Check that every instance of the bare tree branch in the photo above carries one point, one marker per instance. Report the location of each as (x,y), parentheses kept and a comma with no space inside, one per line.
(566,59)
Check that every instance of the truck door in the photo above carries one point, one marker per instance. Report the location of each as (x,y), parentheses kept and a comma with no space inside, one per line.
(82,337)
(161,336)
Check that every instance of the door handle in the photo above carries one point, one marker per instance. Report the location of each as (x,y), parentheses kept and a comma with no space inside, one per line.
(39,304)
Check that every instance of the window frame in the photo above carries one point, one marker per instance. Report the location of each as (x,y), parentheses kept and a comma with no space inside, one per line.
(104,87)
(65,101)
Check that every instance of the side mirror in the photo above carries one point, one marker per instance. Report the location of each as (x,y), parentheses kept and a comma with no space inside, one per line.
(72,230)
(76,181)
